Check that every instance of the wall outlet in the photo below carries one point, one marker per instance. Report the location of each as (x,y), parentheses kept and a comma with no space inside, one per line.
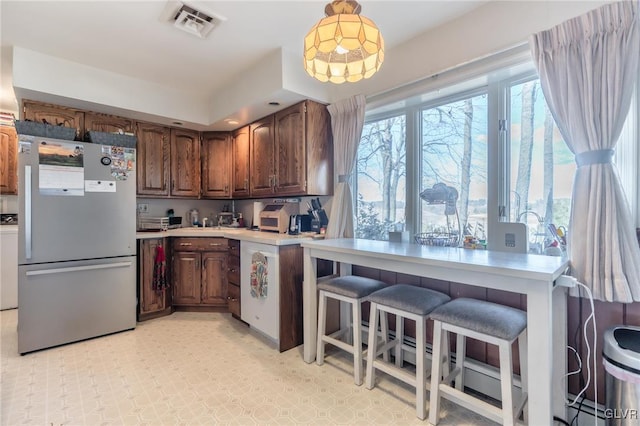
(143,208)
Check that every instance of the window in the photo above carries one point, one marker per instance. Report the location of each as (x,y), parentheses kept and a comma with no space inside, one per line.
(380,204)
(541,167)
(485,138)
(453,148)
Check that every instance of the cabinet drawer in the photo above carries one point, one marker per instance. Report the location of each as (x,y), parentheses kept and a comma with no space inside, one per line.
(199,244)
(234,271)
(234,247)
(233,297)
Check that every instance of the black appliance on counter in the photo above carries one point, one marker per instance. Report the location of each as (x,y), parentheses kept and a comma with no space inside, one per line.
(299,223)
(8,218)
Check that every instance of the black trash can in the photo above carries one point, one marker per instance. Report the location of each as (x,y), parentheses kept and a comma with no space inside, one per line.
(621,359)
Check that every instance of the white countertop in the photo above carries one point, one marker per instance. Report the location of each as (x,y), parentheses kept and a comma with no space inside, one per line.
(271,238)
(527,266)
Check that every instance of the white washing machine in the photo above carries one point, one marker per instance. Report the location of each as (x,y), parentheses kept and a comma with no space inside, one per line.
(260,288)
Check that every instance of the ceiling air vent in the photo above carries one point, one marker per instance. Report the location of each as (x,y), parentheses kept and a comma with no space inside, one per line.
(193,21)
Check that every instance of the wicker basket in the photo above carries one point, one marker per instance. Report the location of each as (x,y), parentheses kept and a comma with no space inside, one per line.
(115,139)
(34,128)
(437,239)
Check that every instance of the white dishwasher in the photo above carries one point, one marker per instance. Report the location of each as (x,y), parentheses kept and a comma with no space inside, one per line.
(260,288)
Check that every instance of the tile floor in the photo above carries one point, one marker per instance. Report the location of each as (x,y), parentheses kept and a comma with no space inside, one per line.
(190,369)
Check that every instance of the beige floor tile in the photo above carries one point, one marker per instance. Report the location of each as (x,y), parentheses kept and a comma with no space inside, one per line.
(191,369)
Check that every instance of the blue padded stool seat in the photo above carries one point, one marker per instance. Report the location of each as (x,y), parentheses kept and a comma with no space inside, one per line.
(353,290)
(409,298)
(405,302)
(493,324)
(351,286)
(483,317)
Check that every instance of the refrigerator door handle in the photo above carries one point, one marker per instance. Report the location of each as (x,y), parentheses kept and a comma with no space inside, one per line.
(27,212)
(80,268)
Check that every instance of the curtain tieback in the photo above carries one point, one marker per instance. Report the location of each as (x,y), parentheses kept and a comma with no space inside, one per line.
(598,156)
(344,178)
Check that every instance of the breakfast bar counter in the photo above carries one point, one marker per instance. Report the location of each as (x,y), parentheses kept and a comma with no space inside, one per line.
(530,275)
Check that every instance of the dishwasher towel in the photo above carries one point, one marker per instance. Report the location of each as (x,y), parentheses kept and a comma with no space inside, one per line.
(259,276)
(159,282)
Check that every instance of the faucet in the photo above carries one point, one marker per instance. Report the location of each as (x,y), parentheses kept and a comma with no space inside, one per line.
(524,213)
(204,222)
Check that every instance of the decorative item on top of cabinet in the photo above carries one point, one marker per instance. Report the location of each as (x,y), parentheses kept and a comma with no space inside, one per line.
(233,295)
(153,159)
(107,123)
(240,158)
(185,163)
(55,115)
(199,267)
(152,302)
(8,160)
(216,165)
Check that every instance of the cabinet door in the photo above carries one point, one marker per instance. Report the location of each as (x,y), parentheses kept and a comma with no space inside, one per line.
(53,114)
(152,159)
(107,123)
(150,299)
(261,161)
(8,160)
(216,165)
(240,158)
(214,278)
(290,158)
(319,146)
(185,163)
(186,278)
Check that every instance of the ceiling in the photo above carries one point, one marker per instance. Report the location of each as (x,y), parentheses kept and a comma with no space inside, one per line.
(134,38)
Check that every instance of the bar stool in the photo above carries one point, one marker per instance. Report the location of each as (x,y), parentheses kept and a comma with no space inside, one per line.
(350,289)
(491,323)
(404,301)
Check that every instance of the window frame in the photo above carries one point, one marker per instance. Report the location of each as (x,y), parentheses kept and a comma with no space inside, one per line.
(495,82)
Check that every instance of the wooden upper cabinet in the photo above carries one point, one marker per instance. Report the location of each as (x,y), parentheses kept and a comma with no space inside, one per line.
(54,114)
(318,158)
(8,160)
(185,163)
(290,164)
(216,164)
(153,159)
(262,158)
(240,159)
(107,123)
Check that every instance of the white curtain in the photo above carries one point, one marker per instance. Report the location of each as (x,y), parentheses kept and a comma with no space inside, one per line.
(347,119)
(588,67)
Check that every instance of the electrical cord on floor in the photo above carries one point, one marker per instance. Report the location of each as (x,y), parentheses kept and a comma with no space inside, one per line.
(582,395)
(559,420)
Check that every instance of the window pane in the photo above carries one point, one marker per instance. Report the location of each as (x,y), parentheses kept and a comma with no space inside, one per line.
(542,167)
(454,163)
(381,174)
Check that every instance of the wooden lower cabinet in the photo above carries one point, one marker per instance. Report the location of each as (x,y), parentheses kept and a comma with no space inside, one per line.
(151,303)
(199,267)
(233,277)
(8,160)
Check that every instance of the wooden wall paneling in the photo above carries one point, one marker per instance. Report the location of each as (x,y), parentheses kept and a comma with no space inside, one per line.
(366,272)
(291,315)
(632,314)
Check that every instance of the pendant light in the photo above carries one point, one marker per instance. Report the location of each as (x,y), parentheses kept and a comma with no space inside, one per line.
(343,46)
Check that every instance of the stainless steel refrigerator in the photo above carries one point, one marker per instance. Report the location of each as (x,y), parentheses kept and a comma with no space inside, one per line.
(76,241)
